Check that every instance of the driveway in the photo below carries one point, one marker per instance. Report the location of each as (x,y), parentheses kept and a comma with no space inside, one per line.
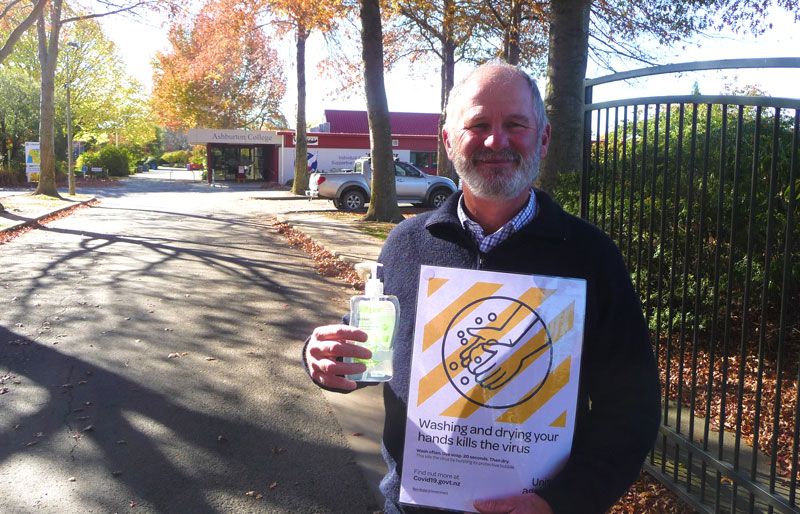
(149,352)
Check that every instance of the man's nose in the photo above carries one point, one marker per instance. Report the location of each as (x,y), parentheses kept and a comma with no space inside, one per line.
(497,139)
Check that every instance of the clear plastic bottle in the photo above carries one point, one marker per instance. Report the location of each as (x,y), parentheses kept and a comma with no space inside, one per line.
(376,314)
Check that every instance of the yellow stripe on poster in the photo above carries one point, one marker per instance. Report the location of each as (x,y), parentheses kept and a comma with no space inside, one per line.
(437,378)
(561,421)
(435,328)
(555,382)
(435,283)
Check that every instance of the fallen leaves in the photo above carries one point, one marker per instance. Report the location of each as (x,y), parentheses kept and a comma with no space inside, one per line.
(325,262)
(733,376)
(648,495)
(8,235)
(177,355)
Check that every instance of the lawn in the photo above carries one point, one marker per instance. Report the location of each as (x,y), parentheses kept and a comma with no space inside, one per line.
(372,228)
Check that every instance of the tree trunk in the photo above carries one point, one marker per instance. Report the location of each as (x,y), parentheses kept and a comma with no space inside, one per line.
(444,166)
(383,202)
(48,54)
(511,39)
(4,152)
(301,145)
(566,70)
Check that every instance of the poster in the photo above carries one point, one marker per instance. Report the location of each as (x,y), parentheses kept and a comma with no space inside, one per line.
(32,161)
(494,385)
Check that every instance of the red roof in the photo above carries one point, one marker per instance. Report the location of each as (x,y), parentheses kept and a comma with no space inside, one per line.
(403,123)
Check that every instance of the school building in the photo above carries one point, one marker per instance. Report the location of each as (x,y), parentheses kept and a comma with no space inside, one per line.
(332,146)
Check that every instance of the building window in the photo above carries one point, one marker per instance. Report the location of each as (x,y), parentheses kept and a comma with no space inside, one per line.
(426,161)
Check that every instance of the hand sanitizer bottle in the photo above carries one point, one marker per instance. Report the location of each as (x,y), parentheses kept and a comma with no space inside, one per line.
(376,314)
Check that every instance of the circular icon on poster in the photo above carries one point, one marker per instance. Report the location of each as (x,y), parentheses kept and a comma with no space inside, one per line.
(497,352)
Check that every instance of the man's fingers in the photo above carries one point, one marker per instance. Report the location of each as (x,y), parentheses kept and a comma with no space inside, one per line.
(524,504)
(333,381)
(494,506)
(332,367)
(328,349)
(339,333)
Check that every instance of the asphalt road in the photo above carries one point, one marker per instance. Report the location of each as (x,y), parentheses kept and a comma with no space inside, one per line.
(149,353)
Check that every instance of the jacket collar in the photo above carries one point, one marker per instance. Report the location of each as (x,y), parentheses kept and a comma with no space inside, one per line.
(550,221)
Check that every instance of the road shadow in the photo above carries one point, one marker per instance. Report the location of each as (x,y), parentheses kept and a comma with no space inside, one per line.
(136,443)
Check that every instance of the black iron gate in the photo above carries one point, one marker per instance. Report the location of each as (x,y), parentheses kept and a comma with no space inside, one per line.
(701,194)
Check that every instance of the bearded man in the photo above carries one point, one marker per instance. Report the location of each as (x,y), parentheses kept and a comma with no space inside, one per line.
(496,132)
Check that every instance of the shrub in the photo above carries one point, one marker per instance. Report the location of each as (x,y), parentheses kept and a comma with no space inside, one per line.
(116,160)
(12,178)
(178,157)
(89,159)
(198,155)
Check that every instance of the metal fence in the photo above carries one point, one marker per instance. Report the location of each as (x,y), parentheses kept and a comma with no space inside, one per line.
(701,194)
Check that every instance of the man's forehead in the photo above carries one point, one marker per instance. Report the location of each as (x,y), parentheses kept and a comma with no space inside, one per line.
(503,94)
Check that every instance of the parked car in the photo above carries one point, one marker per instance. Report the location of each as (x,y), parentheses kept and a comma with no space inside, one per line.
(350,190)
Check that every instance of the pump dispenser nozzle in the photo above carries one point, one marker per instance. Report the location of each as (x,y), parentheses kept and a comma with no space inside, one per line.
(368,272)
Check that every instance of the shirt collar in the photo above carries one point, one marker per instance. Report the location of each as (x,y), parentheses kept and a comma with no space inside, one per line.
(488,242)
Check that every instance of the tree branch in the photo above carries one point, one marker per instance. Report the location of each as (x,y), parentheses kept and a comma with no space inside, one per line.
(107,13)
(8,46)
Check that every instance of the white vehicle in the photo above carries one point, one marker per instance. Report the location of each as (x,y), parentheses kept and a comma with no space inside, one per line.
(350,190)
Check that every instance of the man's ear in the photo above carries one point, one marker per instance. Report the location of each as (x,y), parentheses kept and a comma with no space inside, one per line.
(545,141)
(446,141)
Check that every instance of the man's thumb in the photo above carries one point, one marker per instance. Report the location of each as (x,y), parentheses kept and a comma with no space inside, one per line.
(492,506)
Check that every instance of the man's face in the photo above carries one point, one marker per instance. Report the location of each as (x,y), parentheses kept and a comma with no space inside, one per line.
(494,142)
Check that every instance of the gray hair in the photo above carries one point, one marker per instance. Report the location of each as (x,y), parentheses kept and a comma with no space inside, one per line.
(458,90)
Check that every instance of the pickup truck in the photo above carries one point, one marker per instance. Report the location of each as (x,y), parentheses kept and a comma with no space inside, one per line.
(350,190)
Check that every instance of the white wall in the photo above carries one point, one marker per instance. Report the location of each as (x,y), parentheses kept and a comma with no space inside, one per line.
(327,159)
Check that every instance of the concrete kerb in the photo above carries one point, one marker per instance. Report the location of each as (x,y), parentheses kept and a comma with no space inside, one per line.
(31,221)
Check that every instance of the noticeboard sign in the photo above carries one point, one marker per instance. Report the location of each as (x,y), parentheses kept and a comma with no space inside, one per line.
(32,159)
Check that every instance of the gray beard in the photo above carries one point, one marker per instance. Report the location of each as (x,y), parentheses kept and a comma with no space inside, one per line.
(498,185)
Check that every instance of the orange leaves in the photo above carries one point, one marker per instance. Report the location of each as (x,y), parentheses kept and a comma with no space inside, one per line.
(326,263)
(221,70)
(321,15)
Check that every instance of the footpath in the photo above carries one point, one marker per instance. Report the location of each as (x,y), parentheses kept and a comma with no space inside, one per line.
(360,414)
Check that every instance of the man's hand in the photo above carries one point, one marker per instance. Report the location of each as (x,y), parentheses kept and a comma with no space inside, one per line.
(326,345)
(523,504)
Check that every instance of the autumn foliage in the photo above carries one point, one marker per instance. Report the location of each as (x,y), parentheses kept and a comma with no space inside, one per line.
(221,72)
